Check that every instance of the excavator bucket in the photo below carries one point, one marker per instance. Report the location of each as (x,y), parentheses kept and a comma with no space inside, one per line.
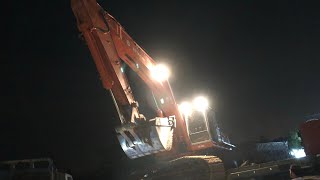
(141,140)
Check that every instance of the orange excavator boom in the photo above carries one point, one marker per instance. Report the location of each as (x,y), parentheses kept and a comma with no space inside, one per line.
(111,47)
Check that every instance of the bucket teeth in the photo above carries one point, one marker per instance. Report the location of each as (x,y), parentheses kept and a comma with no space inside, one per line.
(141,140)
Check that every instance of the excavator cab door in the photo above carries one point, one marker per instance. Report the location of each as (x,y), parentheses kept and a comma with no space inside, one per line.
(198,127)
(204,132)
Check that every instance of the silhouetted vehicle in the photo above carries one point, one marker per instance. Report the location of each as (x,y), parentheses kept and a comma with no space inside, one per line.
(31,169)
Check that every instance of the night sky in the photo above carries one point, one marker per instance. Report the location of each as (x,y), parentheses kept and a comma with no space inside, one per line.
(257,61)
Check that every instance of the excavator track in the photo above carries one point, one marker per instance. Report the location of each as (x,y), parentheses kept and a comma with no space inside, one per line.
(191,168)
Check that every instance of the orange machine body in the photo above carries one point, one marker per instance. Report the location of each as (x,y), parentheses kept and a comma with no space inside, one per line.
(111,47)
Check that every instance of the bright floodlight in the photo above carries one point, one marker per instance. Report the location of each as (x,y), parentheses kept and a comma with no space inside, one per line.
(160,72)
(200,103)
(297,153)
(185,108)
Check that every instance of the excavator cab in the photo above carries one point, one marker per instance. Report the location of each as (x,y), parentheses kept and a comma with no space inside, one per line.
(202,126)
(198,128)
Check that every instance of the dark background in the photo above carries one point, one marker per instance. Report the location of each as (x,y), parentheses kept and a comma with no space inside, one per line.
(257,61)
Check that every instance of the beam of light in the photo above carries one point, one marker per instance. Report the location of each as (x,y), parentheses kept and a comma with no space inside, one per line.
(298,153)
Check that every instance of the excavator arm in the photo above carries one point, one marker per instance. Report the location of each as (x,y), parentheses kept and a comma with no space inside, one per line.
(112,48)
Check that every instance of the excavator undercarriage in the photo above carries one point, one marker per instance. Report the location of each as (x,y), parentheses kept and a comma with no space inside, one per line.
(190,168)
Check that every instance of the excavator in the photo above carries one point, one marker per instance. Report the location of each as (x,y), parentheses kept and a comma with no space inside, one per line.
(177,131)
(181,134)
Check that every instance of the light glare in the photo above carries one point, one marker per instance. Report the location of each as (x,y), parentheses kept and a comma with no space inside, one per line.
(162,101)
(185,108)
(200,103)
(160,72)
(297,153)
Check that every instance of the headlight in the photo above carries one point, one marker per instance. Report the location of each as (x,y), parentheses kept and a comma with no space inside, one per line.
(185,108)
(200,103)
(297,153)
(160,72)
